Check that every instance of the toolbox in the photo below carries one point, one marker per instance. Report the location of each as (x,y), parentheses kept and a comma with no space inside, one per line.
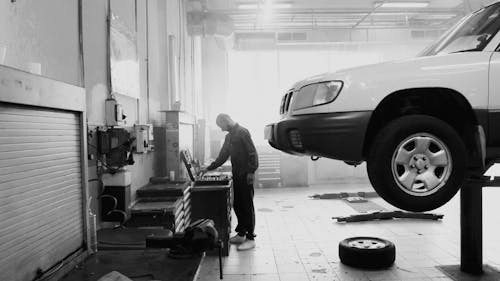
(159,187)
(162,203)
(167,213)
(212,178)
(211,198)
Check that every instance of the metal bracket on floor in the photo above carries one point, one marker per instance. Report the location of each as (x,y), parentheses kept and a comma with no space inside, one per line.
(343,195)
(388,216)
(471,223)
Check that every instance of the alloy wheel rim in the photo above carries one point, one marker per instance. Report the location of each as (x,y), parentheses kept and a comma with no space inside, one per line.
(421,164)
(367,243)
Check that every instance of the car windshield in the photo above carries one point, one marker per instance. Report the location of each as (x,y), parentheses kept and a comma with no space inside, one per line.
(470,34)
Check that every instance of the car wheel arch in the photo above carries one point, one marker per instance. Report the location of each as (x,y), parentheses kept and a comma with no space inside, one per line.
(425,101)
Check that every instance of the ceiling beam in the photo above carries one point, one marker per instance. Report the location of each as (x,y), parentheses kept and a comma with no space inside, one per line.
(359,12)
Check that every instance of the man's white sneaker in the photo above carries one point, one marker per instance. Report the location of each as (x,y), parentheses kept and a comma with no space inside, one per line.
(237,239)
(247,245)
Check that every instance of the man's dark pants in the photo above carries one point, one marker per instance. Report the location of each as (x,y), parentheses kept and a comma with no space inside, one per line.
(243,206)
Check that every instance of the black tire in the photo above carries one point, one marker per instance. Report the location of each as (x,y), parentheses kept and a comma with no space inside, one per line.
(369,258)
(390,139)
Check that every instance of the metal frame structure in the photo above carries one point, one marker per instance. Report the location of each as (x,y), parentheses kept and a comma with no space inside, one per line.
(471,223)
(344,19)
(302,15)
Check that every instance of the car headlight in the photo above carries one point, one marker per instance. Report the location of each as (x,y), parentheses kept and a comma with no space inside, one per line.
(317,94)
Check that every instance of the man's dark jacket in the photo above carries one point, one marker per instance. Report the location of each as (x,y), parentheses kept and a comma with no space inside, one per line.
(239,146)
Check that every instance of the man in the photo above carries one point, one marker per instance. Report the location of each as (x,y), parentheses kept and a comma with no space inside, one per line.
(244,160)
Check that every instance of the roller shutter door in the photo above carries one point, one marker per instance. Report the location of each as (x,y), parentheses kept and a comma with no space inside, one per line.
(41,213)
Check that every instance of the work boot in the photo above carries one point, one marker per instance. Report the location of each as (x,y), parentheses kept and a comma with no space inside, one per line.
(247,245)
(237,239)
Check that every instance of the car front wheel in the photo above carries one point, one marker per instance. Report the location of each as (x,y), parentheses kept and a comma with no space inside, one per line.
(417,163)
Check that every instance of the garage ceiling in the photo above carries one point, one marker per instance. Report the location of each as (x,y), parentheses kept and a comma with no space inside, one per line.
(304,15)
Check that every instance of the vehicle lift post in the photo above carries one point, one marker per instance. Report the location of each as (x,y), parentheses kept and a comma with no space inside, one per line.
(471,223)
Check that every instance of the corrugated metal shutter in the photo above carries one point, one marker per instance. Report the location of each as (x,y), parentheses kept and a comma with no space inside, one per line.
(41,213)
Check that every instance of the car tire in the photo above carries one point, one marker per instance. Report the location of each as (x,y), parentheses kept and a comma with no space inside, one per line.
(367,252)
(417,163)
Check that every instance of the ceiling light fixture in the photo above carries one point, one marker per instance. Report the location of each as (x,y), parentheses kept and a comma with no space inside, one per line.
(282,6)
(266,5)
(403,4)
(248,6)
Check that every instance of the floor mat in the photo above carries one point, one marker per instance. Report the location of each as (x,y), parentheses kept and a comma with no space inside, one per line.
(364,206)
(454,272)
(137,265)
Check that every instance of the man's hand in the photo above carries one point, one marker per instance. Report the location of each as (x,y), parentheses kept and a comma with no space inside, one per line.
(203,170)
(250,178)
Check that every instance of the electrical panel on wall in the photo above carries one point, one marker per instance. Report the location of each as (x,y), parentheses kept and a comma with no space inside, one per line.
(115,145)
(144,138)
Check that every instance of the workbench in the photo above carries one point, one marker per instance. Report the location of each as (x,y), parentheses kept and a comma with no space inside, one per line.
(214,202)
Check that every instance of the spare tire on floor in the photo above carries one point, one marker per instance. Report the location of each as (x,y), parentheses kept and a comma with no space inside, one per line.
(367,252)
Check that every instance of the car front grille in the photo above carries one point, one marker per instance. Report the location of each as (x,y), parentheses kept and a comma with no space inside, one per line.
(285,102)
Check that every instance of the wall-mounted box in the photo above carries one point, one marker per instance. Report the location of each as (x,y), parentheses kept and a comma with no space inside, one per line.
(143,138)
(114,113)
(115,144)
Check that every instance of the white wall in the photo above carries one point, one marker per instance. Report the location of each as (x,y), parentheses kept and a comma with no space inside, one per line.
(164,18)
(95,59)
(158,60)
(215,78)
(36,34)
(188,57)
(156,20)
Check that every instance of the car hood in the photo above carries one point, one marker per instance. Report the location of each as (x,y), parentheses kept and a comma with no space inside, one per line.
(366,86)
(411,67)
(329,76)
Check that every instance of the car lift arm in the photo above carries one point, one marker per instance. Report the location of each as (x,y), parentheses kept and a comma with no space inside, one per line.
(388,216)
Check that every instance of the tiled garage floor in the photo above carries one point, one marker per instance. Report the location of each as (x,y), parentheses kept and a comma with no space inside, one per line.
(297,239)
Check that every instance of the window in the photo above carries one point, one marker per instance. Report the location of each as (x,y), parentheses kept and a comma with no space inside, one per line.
(471,34)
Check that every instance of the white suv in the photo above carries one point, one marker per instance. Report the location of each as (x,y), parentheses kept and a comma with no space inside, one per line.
(422,124)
